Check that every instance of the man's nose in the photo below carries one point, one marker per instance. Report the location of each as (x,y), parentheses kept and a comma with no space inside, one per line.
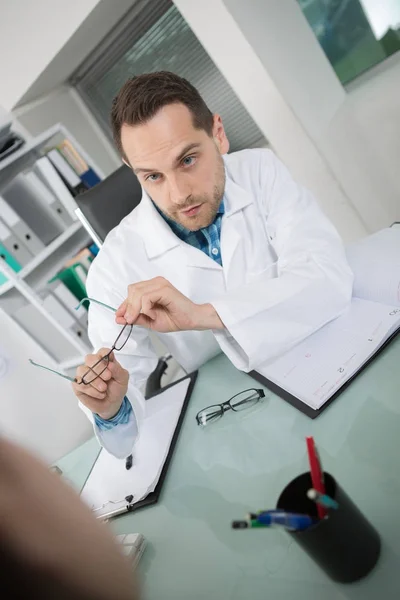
(178,190)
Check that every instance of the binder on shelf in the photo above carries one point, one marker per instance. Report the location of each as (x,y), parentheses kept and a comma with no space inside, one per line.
(14,245)
(65,318)
(79,165)
(81,333)
(72,180)
(50,198)
(74,277)
(44,333)
(69,301)
(90,178)
(20,228)
(71,154)
(84,257)
(47,172)
(8,258)
(24,194)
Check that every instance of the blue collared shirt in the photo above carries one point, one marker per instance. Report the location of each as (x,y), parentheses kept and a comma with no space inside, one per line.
(208,240)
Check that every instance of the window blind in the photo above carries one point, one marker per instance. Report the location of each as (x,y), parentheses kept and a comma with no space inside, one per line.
(154,36)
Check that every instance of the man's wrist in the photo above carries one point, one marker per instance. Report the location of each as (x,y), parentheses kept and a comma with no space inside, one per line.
(111,414)
(208,318)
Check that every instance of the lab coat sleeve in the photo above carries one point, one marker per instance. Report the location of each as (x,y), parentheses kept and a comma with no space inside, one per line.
(138,357)
(269,315)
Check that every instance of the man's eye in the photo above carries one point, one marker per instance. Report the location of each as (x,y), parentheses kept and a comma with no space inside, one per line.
(188,161)
(153,177)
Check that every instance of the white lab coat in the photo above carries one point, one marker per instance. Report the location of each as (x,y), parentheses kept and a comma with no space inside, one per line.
(284,275)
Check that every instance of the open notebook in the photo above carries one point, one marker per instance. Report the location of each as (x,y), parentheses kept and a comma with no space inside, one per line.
(315,371)
(110,489)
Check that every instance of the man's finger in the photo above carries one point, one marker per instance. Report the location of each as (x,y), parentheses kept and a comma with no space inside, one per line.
(133,308)
(95,371)
(95,364)
(148,302)
(100,353)
(111,357)
(119,374)
(136,292)
(121,309)
(88,391)
(144,321)
(89,378)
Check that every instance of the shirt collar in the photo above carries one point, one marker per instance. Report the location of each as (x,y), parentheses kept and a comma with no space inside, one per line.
(179,229)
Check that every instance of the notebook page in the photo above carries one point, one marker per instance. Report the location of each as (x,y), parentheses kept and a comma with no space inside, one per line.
(317,367)
(375,262)
(109,479)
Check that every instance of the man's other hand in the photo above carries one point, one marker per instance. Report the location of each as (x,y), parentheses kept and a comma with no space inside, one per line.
(158,305)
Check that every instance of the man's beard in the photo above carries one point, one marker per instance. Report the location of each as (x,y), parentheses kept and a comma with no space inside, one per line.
(210,206)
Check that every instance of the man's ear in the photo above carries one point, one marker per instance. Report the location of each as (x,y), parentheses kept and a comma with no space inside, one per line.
(219,135)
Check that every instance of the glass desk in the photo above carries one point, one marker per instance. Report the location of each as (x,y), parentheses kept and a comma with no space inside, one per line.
(241,464)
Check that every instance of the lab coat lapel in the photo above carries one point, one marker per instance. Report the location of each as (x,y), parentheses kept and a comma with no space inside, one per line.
(159,238)
(232,231)
(198,258)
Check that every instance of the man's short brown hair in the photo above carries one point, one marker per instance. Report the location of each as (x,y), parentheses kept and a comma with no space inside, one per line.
(141,97)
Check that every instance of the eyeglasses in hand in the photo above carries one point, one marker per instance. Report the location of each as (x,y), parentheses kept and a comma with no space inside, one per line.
(237,403)
(93,372)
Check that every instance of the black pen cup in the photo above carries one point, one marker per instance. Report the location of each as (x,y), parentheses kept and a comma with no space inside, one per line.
(344,544)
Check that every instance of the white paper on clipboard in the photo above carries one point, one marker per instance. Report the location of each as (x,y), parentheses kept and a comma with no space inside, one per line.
(109,482)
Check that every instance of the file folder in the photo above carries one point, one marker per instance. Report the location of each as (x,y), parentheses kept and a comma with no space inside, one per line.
(9,259)
(18,226)
(69,301)
(72,180)
(66,320)
(14,245)
(48,199)
(47,172)
(24,194)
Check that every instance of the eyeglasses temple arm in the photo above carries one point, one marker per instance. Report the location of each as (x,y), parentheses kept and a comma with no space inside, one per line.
(96,302)
(52,371)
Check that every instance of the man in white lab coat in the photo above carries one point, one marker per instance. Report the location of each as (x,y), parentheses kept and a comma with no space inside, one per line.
(225,252)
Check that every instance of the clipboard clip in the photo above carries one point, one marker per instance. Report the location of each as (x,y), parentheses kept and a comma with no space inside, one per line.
(128,499)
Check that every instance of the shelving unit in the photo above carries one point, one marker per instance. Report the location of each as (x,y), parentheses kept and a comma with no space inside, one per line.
(26,156)
(27,286)
(42,256)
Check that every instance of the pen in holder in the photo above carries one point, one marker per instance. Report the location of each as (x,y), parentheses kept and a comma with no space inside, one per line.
(344,544)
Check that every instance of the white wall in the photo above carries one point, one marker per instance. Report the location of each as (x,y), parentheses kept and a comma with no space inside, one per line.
(31,34)
(290,53)
(64,105)
(42,42)
(375,99)
(37,409)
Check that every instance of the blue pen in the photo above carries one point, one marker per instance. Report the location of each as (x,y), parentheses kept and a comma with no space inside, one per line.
(292,521)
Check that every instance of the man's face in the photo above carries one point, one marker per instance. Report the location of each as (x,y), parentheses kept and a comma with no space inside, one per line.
(180,167)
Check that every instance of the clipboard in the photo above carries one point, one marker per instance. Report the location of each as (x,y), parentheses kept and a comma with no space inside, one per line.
(128,504)
(313,413)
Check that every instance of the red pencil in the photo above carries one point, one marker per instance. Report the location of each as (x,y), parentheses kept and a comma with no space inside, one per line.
(317,475)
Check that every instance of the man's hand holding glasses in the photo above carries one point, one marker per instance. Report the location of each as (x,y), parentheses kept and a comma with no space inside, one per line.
(106,383)
(101,383)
